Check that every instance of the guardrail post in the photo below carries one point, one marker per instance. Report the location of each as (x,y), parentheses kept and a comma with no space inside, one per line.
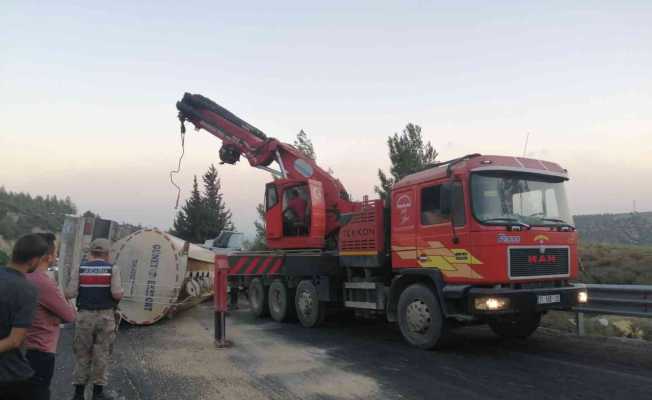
(579,322)
(220,298)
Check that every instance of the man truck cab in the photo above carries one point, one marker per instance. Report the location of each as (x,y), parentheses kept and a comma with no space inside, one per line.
(497,231)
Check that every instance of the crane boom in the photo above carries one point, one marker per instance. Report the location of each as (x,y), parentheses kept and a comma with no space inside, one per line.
(240,138)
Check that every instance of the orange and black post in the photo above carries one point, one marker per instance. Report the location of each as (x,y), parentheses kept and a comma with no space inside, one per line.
(220,277)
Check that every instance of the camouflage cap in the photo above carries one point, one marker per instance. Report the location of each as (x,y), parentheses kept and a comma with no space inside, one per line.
(100,246)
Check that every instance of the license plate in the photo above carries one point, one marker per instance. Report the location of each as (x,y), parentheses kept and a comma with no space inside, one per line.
(549,299)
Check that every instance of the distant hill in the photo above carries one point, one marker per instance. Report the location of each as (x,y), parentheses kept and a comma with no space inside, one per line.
(627,228)
(21,213)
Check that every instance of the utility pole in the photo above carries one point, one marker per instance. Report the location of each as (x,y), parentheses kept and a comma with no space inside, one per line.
(527,137)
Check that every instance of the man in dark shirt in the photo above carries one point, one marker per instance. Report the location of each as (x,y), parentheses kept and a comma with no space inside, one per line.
(18,300)
(297,218)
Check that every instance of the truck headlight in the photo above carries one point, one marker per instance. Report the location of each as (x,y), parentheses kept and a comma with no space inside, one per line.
(582,297)
(491,303)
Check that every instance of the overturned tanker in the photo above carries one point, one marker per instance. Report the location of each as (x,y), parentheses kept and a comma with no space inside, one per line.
(161,274)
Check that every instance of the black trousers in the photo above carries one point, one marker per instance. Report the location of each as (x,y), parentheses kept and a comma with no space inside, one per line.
(16,390)
(43,365)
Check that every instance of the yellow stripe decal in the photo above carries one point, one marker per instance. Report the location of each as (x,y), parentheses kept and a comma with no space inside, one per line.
(407,254)
(451,262)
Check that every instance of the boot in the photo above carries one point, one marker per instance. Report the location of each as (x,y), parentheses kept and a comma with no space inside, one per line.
(79,392)
(98,393)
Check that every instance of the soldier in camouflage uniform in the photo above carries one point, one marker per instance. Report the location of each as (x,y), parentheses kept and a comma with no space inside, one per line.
(98,290)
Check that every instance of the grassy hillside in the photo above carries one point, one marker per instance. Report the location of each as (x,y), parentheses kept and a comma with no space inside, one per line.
(613,264)
(626,228)
(616,248)
(622,264)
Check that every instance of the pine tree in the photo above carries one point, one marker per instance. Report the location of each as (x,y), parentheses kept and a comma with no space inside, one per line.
(260,241)
(408,154)
(218,217)
(190,220)
(304,144)
(204,215)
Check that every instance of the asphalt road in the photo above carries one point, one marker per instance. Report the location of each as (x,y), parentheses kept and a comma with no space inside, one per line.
(354,359)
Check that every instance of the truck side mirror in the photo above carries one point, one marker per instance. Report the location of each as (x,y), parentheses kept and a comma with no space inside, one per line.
(445,199)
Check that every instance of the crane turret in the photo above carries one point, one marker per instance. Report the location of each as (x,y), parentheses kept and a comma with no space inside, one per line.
(239,138)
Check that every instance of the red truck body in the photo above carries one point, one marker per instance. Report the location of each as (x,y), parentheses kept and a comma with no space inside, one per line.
(478,239)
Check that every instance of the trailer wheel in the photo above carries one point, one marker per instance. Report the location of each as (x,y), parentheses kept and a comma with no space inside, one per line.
(310,310)
(258,297)
(280,302)
(420,317)
(516,327)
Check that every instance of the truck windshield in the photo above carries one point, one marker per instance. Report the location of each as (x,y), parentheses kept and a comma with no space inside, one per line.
(507,198)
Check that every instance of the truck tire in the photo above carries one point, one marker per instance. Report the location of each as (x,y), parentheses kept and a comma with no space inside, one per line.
(310,311)
(258,298)
(516,327)
(420,317)
(281,303)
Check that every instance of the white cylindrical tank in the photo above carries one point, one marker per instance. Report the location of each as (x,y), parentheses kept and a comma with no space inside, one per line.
(160,274)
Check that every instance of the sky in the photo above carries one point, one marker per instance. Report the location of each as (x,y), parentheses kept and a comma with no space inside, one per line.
(88,93)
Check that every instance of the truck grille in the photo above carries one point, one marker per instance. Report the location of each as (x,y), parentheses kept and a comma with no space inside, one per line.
(529,262)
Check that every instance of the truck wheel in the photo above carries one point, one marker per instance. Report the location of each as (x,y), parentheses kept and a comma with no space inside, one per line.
(420,317)
(280,301)
(258,297)
(516,327)
(310,310)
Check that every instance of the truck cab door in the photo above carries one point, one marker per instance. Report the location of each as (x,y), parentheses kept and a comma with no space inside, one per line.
(443,237)
(404,228)
(273,213)
(317,211)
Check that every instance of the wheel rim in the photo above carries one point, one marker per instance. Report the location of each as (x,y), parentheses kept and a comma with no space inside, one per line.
(305,302)
(275,300)
(418,317)
(255,296)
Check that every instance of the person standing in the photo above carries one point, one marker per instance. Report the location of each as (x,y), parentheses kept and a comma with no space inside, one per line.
(297,218)
(298,205)
(43,337)
(18,299)
(97,287)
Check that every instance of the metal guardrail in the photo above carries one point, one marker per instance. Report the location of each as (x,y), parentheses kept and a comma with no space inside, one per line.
(627,300)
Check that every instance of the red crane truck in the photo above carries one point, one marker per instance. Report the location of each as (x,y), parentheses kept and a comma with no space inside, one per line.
(477,239)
